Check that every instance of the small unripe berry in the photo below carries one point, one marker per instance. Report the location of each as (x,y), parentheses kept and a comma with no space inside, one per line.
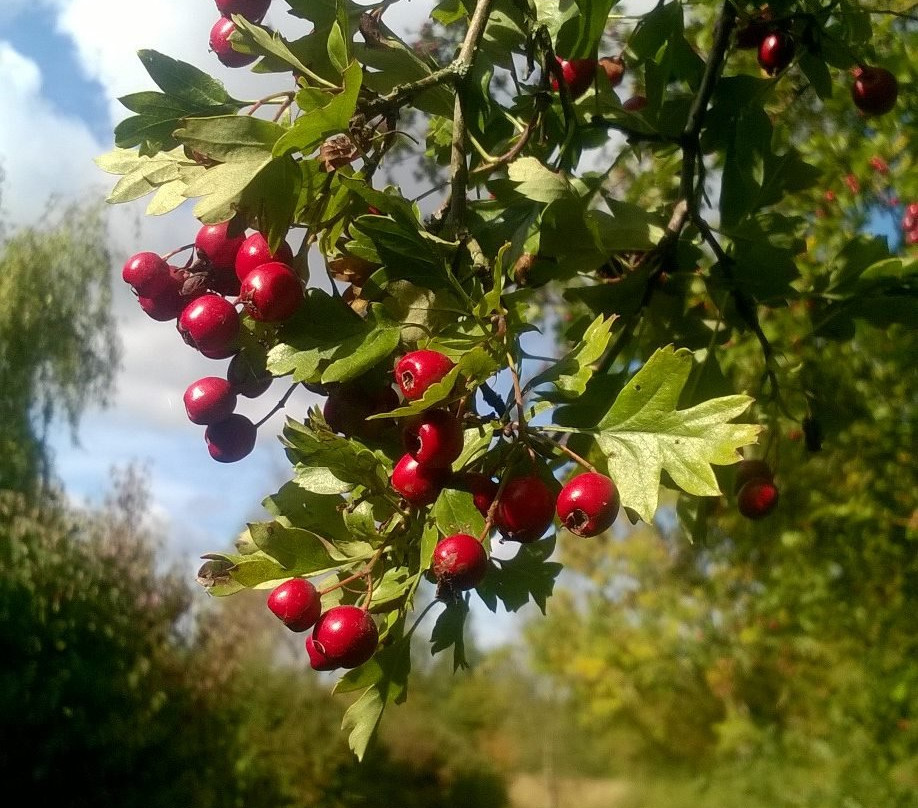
(525,509)
(757,498)
(231,439)
(209,400)
(416,482)
(434,437)
(345,636)
(418,370)
(459,562)
(296,603)
(220,44)
(271,292)
(588,504)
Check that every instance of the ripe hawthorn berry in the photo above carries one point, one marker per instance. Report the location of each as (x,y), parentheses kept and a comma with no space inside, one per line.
(418,483)
(418,370)
(209,400)
(210,324)
(776,51)
(255,251)
(231,439)
(588,504)
(220,44)
(296,603)
(253,10)
(578,75)
(271,292)
(635,104)
(459,562)
(483,490)
(147,274)
(345,637)
(215,243)
(875,90)
(434,438)
(317,660)
(525,509)
(751,469)
(757,498)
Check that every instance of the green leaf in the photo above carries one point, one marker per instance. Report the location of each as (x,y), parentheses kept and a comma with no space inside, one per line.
(299,552)
(318,514)
(364,351)
(455,512)
(528,575)
(643,434)
(571,374)
(230,138)
(537,182)
(449,632)
(433,395)
(337,49)
(184,81)
(361,720)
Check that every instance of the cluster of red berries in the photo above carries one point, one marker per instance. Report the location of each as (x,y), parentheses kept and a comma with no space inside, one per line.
(910,223)
(230,272)
(755,489)
(224,28)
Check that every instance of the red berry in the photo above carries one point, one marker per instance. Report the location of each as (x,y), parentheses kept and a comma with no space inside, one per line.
(614,67)
(776,51)
(255,251)
(418,370)
(209,323)
(525,509)
(875,90)
(434,438)
(147,274)
(578,75)
(163,307)
(252,10)
(753,469)
(459,562)
(751,35)
(912,209)
(271,293)
(588,504)
(209,400)
(214,243)
(635,104)
(420,484)
(296,603)
(231,439)
(220,44)
(247,379)
(483,490)
(345,636)
(879,165)
(317,660)
(757,498)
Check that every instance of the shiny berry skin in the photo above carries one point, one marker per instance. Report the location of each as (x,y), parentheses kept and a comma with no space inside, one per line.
(525,509)
(578,75)
(434,437)
(209,323)
(588,504)
(214,243)
(209,400)
(296,603)
(752,469)
(317,660)
(416,482)
(163,307)
(459,562)
(220,44)
(483,490)
(147,274)
(255,251)
(875,90)
(418,370)
(757,498)
(776,51)
(231,439)
(271,293)
(345,636)
(252,10)
(751,35)
(246,379)
(614,68)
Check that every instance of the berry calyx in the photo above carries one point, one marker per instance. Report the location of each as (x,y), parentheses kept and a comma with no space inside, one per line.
(254,251)
(525,509)
(214,243)
(434,438)
(578,75)
(776,51)
(209,400)
(296,603)
(345,637)
(147,274)
(459,562)
(271,293)
(209,323)
(418,370)
(875,90)
(253,10)
(588,504)
(231,439)
(222,47)
(757,498)
(418,483)
(751,469)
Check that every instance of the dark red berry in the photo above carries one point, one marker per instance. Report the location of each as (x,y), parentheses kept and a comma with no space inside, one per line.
(253,10)
(209,323)
(578,75)
(255,251)
(752,469)
(209,400)
(345,636)
(635,104)
(164,307)
(459,562)
(317,660)
(525,509)
(751,35)
(875,90)
(231,439)
(296,603)
(220,44)
(215,243)
(418,370)
(757,498)
(271,293)
(614,67)
(588,504)
(147,274)
(416,482)
(483,490)
(247,379)
(434,437)
(776,51)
